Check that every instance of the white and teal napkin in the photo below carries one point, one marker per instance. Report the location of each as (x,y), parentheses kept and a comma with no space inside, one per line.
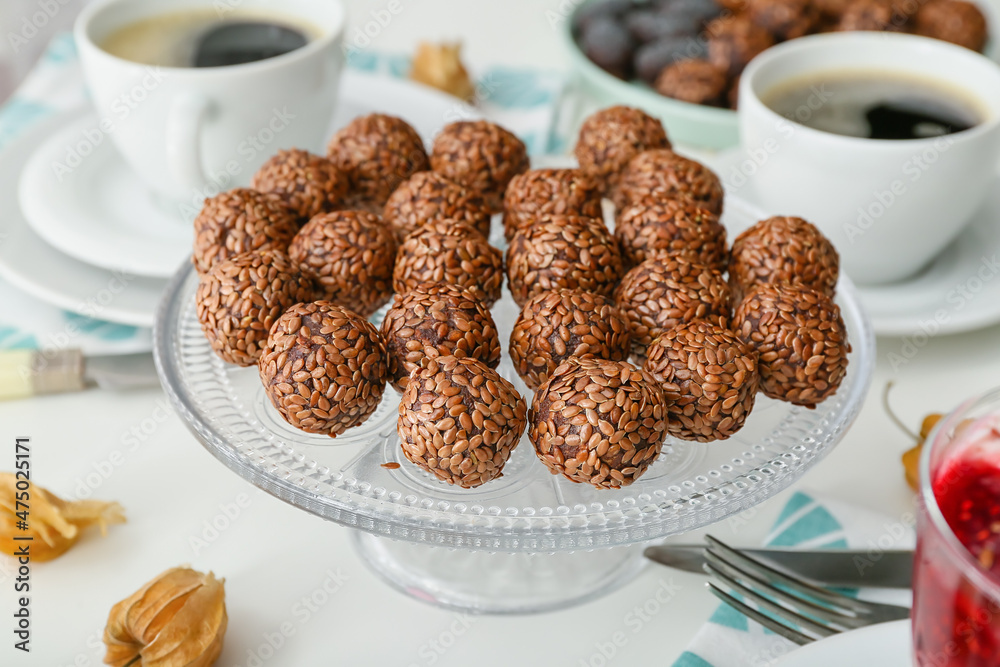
(522,100)
(807,521)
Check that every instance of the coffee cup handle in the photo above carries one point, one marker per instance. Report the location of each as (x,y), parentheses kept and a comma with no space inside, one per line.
(184,123)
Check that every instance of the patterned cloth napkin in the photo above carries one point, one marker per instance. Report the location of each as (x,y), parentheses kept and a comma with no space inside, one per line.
(807,521)
(522,100)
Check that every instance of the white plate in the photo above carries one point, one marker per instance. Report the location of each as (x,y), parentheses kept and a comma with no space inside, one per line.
(34,266)
(882,645)
(25,323)
(959,290)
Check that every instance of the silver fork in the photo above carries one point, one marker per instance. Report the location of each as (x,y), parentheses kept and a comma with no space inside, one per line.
(799,610)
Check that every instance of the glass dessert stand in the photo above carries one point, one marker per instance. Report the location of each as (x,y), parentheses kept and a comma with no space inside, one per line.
(528,541)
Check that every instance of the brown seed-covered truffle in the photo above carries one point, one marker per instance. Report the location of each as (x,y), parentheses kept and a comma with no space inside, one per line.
(672,228)
(453,253)
(783,250)
(694,80)
(554,326)
(307,184)
(353,254)
(241,297)
(800,339)
(597,421)
(830,12)
(784,19)
(733,41)
(428,196)
(709,379)
(542,192)
(324,368)
(563,251)
(871,15)
(953,21)
(611,137)
(238,221)
(437,321)
(662,174)
(662,293)
(480,155)
(460,421)
(377,152)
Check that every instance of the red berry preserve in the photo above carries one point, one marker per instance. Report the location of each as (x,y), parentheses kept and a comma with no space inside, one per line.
(956,618)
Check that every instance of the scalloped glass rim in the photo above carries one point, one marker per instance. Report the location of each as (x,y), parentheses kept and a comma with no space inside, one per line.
(225,408)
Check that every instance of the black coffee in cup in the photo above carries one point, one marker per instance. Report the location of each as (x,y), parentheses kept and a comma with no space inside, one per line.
(203,38)
(874,105)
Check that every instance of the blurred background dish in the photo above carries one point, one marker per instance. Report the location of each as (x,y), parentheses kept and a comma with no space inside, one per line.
(619,49)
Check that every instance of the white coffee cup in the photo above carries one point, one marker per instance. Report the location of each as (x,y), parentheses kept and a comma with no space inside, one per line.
(889,206)
(189,132)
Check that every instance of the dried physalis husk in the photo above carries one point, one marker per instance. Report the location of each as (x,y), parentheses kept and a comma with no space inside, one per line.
(176,620)
(54,524)
(440,66)
(911,458)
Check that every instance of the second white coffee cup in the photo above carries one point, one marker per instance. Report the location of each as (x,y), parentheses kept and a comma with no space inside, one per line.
(889,206)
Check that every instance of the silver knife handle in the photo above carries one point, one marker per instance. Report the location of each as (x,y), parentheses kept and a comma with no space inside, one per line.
(25,373)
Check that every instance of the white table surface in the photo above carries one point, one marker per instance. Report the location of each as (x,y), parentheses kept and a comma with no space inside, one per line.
(272,555)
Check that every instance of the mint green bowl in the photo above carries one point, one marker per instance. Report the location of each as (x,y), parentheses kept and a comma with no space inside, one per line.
(687,124)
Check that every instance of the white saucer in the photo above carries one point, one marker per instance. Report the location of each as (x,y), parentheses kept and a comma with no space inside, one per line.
(884,645)
(27,262)
(948,296)
(81,197)
(34,266)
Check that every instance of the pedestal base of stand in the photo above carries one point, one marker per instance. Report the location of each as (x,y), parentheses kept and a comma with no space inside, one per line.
(501,583)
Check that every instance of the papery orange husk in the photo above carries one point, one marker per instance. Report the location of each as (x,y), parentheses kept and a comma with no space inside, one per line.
(54,524)
(440,66)
(176,620)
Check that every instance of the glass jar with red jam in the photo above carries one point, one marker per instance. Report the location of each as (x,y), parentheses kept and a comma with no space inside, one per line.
(956,585)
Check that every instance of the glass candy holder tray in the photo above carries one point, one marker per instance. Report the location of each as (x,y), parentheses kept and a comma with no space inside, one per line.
(528,541)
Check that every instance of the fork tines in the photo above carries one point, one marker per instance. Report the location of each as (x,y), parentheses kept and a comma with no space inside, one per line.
(799,610)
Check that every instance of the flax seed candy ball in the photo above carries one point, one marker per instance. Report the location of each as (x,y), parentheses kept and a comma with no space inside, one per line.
(543,192)
(459,420)
(662,174)
(783,250)
(800,339)
(953,21)
(305,183)
(353,254)
(671,228)
(599,422)
(709,379)
(238,221)
(693,80)
(241,297)
(433,321)
(428,196)
(733,41)
(613,136)
(563,251)
(554,326)
(480,155)
(324,368)
(450,252)
(874,15)
(377,152)
(784,19)
(662,293)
